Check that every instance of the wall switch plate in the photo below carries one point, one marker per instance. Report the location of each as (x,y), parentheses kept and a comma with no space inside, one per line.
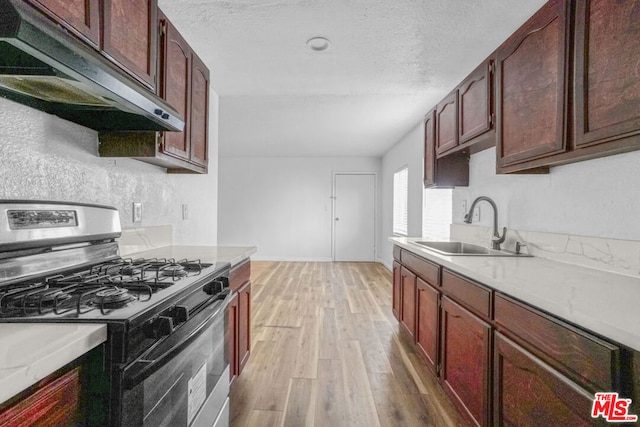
(137,212)
(476,214)
(185,211)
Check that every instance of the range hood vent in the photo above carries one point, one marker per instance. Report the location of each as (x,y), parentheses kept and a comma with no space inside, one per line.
(50,70)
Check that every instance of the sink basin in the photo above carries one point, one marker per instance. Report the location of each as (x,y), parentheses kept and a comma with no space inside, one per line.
(465,249)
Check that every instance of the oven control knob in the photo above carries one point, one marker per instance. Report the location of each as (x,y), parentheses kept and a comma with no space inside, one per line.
(163,326)
(213,288)
(181,313)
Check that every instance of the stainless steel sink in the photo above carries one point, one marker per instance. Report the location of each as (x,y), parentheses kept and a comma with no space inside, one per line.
(464,249)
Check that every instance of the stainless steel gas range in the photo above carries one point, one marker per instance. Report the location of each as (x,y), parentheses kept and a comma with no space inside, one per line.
(165,360)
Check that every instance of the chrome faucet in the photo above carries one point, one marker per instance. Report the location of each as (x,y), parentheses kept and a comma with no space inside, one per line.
(496,239)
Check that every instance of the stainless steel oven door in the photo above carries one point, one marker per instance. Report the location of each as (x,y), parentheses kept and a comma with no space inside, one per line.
(184,379)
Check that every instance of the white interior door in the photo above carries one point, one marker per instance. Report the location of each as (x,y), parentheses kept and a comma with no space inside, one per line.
(354,217)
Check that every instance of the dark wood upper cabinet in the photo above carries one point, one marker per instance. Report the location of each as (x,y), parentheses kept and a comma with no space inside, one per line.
(429,165)
(184,84)
(531,87)
(447,123)
(475,112)
(530,392)
(81,17)
(175,88)
(130,36)
(448,171)
(199,121)
(607,72)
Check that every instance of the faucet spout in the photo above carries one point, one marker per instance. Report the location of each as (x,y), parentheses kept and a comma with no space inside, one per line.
(497,239)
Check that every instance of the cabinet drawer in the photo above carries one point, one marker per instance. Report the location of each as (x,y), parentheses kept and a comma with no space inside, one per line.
(396,253)
(473,296)
(423,268)
(239,275)
(583,356)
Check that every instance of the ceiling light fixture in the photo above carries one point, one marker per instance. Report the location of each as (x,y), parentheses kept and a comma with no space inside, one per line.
(318,43)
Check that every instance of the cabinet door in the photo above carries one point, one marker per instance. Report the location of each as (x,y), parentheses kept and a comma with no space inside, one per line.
(447,124)
(529,392)
(466,345)
(54,404)
(474,103)
(607,79)
(532,87)
(427,323)
(244,325)
(232,338)
(129,36)
(82,17)
(408,312)
(396,295)
(199,111)
(175,88)
(429,150)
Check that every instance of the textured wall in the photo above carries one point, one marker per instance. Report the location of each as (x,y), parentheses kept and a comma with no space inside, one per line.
(47,158)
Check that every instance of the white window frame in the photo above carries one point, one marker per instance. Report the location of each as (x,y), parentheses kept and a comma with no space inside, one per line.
(401,201)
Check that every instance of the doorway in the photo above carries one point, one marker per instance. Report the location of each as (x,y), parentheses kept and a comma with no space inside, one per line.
(354,220)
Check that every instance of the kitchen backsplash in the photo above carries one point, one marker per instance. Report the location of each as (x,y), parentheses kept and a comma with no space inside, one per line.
(615,255)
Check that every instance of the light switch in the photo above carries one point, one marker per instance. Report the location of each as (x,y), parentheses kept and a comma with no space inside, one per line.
(137,212)
(185,211)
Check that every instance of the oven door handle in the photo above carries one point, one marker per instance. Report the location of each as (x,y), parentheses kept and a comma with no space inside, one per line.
(143,367)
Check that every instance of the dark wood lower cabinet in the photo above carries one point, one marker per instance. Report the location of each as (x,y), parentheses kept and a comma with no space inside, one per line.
(56,403)
(428,315)
(244,325)
(408,311)
(395,304)
(528,392)
(239,339)
(232,339)
(501,361)
(466,353)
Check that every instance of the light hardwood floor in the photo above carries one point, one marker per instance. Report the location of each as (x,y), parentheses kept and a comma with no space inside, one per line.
(326,351)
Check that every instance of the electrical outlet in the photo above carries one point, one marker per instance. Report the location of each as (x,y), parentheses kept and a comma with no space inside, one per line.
(476,214)
(137,212)
(185,211)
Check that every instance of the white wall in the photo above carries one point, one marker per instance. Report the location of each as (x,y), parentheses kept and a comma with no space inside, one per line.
(282,205)
(407,152)
(44,157)
(597,198)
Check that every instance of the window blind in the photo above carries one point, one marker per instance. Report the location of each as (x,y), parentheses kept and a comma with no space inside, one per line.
(437,213)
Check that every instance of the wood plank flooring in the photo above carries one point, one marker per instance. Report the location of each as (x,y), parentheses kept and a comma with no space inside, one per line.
(326,351)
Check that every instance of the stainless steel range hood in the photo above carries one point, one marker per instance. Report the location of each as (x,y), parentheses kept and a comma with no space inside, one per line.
(50,70)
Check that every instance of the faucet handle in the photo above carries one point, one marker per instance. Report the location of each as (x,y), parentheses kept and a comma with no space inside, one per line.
(497,240)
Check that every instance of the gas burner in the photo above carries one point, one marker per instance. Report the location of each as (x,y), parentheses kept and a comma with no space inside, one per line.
(113,297)
(173,270)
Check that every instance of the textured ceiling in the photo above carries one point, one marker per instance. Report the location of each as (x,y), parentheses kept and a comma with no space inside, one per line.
(389,61)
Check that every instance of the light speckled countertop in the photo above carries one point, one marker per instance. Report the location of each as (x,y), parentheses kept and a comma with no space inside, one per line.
(31,351)
(603,302)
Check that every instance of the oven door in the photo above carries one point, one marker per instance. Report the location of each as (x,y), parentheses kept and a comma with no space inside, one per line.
(184,380)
